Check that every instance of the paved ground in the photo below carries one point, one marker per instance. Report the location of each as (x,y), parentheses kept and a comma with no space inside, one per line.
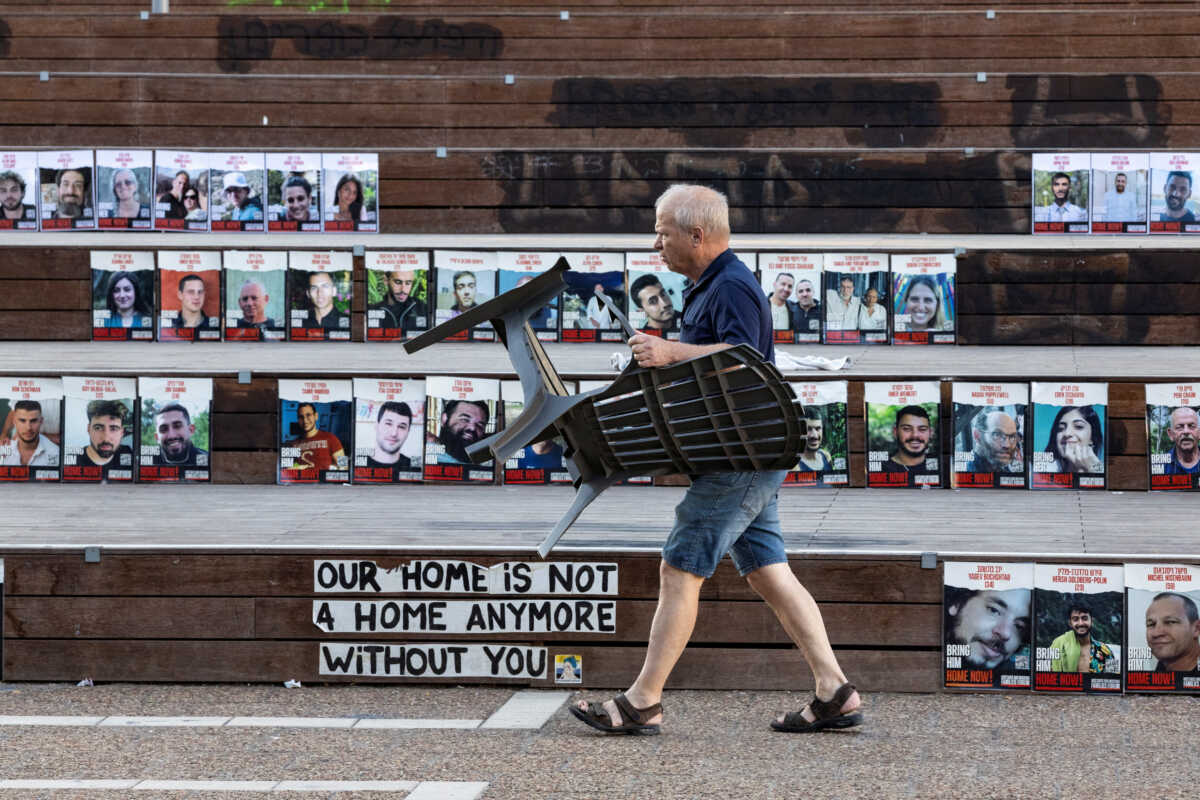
(714,745)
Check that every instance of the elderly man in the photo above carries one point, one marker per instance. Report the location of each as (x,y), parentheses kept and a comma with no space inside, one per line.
(1183,430)
(997,444)
(731,512)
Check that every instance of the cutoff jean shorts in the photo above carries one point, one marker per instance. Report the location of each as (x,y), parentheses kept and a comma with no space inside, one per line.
(728,512)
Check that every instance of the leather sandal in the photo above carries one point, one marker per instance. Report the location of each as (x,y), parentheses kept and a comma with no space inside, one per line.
(827,714)
(633,720)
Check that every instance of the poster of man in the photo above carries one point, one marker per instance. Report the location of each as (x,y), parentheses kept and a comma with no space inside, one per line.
(517,268)
(585,317)
(315,419)
(351,194)
(176,430)
(99,420)
(1079,625)
(237,182)
(989,435)
(1173,209)
(458,413)
(294,192)
(1163,628)
(1061,192)
(1173,436)
(255,295)
(68,200)
(1120,196)
(856,298)
(122,295)
(825,460)
(189,284)
(1069,425)
(792,283)
(389,430)
(397,294)
(322,291)
(31,431)
(181,190)
(986,625)
(904,443)
(18,190)
(124,186)
(924,301)
(537,463)
(464,280)
(655,304)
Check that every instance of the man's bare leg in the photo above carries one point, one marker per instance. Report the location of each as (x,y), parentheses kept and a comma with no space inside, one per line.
(801,618)
(674,619)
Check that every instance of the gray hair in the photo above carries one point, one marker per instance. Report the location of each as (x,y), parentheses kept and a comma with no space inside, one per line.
(693,206)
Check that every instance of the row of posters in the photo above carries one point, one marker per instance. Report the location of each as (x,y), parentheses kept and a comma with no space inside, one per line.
(101,429)
(1072,628)
(1119,193)
(1003,435)
(178,190)
(846,298)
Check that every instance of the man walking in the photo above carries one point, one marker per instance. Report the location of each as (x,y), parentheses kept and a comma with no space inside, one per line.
(732,512)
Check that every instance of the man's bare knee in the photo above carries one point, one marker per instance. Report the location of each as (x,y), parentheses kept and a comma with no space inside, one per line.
(678,579)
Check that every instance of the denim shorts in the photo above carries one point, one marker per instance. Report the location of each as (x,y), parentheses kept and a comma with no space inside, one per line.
(727,512)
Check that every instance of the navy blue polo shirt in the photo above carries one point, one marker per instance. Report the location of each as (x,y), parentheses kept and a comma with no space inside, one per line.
(726,305)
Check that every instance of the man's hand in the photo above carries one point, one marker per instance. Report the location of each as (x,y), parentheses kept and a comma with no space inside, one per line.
(652,351)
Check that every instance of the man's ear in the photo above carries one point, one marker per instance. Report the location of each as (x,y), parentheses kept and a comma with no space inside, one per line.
(975,434)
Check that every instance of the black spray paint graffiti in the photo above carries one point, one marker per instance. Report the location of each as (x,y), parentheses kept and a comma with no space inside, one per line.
(5,39)
(244,40)
(724,112)
(1088,111)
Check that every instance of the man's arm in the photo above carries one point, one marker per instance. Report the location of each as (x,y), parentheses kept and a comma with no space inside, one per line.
(651,351)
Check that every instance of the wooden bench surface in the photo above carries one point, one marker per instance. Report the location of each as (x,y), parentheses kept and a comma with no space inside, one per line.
(446,519)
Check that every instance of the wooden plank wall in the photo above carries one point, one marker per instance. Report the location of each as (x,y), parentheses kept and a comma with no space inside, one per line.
(819,118)
(238,617)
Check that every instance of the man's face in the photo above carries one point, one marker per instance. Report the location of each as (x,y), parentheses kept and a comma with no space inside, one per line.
(1169,633)
(297,201)
(465,423)
(812,439)
(1061,187)
(28,424)
(654,300)
(1183,432)
(391,431)
(994,623)
(847,288)
(174,433)
(308,420)
(253,302)
(672,242)
(191,296)
(400,285)
(464,291)
(10,195)
(71,187)
(912,433)
(320,291)
(783,288)
(1001,441)
(105,434)
(1120,181)
(179,184)
(237,195)
(124,185)
(1177,192)
(1081,623)
(804,293)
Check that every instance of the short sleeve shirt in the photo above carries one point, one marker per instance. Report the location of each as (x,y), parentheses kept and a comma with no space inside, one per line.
(727,306)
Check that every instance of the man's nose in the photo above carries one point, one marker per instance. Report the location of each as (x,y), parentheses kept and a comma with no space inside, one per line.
(1003,629)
